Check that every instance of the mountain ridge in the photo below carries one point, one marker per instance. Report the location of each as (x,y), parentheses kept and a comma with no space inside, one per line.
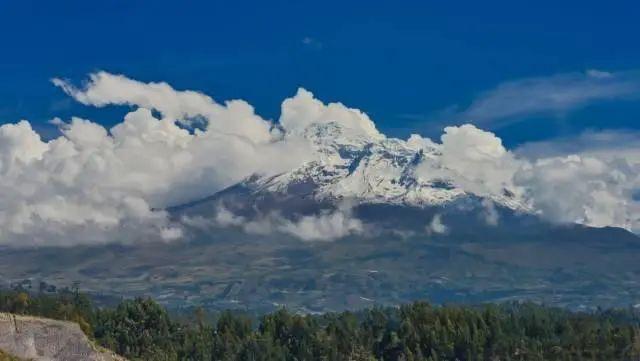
(375,170)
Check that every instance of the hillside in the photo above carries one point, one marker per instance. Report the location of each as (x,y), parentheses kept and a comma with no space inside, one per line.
(571,267)
(42,339)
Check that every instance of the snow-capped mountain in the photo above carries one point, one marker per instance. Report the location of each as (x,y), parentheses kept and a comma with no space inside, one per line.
(368,169)
(410,220)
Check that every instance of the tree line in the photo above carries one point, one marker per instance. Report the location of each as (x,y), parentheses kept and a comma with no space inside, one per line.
(141,329)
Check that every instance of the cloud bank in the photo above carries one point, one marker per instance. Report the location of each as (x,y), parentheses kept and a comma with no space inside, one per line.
(326,226)
(95,185)
(596,186)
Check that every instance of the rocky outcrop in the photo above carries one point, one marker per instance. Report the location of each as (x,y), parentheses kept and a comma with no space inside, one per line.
(41,339)
(6,357)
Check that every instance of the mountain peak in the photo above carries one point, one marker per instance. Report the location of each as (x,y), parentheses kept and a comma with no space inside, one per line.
(353,165)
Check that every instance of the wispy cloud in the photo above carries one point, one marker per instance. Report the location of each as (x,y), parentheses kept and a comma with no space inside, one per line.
(558,94)
(608,144)
(312,43)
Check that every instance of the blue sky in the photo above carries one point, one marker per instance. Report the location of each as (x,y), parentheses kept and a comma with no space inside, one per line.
(412,66)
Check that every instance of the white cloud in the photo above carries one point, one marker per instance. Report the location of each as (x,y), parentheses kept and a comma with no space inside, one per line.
(436,226)
(235,117)
(171,233)
(103,180)
(590,178)
(225,218)
(490,213)
(604,144)
(325,226)
(94,185)
(583,189)
(91,184)
(474,159)
(19,145)
(594,185)
(303,110)
(556,94)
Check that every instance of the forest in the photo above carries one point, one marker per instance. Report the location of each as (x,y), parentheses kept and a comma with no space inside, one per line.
(142,329)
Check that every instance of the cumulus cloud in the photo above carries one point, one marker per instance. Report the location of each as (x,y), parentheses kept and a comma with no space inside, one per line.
(583,189)
(557,94)
(93,184)
(595,185)
(299,112)
(591,178)
(325,226)
(436,226)
(235,117)
(97,185)
(473,159)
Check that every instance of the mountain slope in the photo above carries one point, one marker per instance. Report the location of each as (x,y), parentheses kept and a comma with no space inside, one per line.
(219,268)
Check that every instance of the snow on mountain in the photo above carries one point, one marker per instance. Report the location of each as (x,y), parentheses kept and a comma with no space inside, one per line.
(353,165)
